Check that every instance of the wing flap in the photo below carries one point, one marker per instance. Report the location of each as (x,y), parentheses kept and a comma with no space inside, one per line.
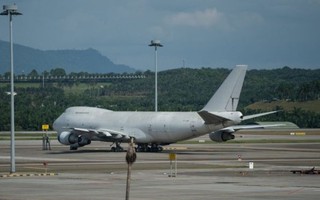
(111,135)
(101,133)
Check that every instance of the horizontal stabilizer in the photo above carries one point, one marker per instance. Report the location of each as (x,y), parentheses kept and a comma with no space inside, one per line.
(259,115)
(211,118)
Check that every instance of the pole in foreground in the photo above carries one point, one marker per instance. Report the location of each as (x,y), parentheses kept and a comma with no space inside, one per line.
(11,10)
(155,44)
(130,158)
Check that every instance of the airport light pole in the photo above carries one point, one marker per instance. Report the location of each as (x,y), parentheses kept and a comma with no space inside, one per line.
(156,44)
(11,10)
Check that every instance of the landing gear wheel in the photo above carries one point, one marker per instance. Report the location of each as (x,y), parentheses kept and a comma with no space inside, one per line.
(149,148)
(160,148)
(117,148)
(74,147)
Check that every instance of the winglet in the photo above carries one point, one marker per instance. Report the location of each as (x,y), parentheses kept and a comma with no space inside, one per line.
(227,96)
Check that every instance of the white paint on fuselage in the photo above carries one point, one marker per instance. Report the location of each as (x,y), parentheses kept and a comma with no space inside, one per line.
(147,127)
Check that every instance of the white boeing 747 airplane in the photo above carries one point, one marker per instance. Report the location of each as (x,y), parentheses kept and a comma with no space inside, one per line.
(78,126)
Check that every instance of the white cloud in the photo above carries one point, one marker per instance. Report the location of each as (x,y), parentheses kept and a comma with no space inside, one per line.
(205,18)
(158,32)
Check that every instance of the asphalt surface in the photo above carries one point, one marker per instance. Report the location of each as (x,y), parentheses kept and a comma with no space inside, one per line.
(204,171)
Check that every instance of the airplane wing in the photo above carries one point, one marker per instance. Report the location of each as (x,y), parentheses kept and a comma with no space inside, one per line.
(225,134)
(102,133)
(110,134)
(244,127)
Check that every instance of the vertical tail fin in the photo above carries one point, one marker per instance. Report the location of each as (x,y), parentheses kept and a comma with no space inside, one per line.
(227,96)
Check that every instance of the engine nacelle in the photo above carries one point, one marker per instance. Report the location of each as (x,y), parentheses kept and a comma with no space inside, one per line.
(221,136)
(67,138)
(83,141)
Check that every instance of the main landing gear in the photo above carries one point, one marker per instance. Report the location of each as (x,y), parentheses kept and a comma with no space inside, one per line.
(139,148)
(117,148)
(149,148)
(74,147)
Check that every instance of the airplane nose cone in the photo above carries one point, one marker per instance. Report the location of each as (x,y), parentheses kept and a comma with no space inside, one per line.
(57,123)
(54,125)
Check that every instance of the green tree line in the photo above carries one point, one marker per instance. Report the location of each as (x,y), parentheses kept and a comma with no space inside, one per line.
(182,89)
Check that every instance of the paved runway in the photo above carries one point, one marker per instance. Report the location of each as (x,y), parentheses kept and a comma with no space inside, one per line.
(205,171)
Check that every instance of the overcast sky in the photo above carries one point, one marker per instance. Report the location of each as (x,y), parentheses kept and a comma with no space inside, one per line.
(200,33)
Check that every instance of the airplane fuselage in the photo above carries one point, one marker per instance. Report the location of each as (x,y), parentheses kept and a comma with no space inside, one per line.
(145,127)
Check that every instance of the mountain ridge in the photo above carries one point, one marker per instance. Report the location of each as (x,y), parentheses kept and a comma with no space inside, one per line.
(27,59)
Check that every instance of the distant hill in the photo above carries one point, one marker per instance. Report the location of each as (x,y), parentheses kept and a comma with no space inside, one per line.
(26,59)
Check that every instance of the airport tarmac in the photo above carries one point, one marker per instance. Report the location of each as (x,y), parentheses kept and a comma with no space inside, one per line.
(205,171)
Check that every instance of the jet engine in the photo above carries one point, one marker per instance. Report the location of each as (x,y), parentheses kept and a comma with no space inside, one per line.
(83,141)
(67,138)
(222,135)
(72,139)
